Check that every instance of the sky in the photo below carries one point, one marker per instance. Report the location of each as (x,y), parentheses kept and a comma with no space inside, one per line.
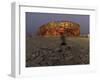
(35,20)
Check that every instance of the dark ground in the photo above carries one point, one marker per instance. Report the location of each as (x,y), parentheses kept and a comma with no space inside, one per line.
(47,51)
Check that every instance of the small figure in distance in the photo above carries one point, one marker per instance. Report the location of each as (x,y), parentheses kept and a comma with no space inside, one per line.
(63,39)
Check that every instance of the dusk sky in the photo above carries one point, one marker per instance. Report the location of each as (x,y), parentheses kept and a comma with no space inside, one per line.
(35,20)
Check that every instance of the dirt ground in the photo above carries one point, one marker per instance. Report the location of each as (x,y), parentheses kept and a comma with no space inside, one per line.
(48,51)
